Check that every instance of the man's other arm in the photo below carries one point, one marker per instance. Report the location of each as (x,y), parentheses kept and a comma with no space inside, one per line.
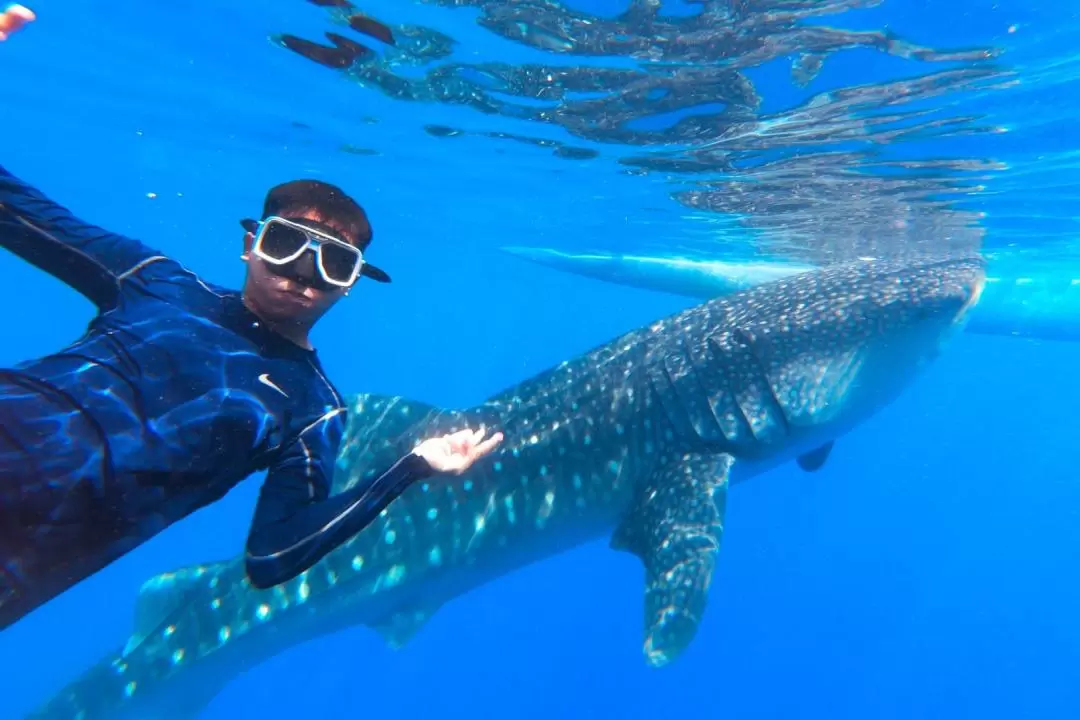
(91,260)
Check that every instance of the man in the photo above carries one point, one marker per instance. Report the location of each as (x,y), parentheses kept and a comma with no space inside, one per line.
(179,390)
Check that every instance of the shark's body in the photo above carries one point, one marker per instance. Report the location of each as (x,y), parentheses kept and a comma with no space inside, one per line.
(1023,298)
(638,439)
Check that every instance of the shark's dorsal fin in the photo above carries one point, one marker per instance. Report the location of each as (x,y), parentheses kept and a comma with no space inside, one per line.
(675,526)
(400,626)
(815,459)
(160,596)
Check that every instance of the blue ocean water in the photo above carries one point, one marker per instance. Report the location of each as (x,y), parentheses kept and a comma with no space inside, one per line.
(925,572)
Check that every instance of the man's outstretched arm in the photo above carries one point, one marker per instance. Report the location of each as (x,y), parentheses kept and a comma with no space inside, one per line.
(91,260)
(296,521)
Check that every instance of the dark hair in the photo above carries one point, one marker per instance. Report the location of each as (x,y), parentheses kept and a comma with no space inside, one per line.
(295,198)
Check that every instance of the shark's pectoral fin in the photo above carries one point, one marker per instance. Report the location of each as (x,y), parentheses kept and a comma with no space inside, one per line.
(815,459)
(399,627)
(160,596)
(675,528)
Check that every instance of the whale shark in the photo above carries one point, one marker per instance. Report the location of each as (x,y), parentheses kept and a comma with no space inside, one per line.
(1038,300)
(637,440)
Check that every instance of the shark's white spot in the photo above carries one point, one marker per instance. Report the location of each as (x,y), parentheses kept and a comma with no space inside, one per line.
(533,439)
(468,485)
(224,633)
(577,481)
(331,577)
(177,656)
(508,503)
(303,591)
(435,556)
(432,513)
(588,439)
(546,508)
(390,537)
(169,631)
(498,466)
(619,429)
(395,575)
(543,470)
(425,487)
(357,562)
(263,611)
(479,523)
(129,689)
(120,666)
(215,604)
(214,582)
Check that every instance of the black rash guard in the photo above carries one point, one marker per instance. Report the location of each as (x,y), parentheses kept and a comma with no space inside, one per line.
(175,393)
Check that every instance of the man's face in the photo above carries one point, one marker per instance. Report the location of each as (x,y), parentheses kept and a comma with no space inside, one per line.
(285,293)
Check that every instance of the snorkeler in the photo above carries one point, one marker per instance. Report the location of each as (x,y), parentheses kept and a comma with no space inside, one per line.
(180,389)
(12,18)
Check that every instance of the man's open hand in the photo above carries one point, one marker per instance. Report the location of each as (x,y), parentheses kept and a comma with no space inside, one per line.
(13,18)
(456,452)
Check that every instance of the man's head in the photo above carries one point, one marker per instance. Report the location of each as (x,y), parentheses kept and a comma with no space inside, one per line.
(300,290)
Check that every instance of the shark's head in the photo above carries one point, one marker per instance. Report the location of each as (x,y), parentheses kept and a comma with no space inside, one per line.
(802,360)
(837,344)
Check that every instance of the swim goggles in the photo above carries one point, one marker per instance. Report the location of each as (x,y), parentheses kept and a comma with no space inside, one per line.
(279,242)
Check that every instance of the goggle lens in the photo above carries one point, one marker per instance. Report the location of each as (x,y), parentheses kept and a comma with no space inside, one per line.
(339,263)
(282,242)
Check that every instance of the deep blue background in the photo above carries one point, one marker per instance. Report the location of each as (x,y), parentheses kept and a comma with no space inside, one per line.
(927,572)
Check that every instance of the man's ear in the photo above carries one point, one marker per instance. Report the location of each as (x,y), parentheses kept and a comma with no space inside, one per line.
(249,240)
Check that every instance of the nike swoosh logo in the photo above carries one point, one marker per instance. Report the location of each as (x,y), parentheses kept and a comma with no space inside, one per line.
(265,380)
